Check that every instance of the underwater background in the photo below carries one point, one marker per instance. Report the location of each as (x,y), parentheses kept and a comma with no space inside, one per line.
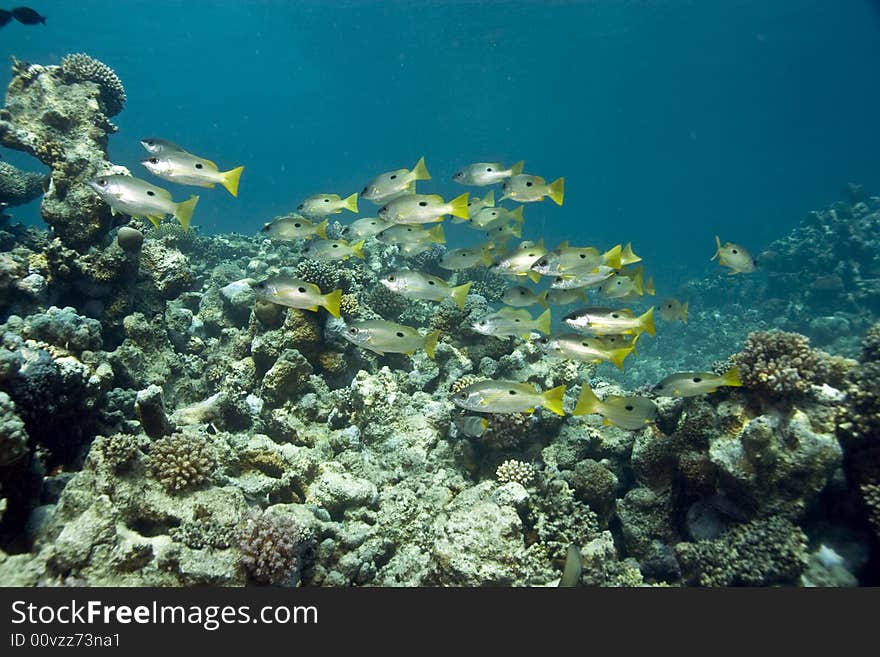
(172,414)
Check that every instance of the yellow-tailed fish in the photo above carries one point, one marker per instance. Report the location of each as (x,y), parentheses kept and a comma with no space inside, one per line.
(330,250)
(475,204)
(158,146)
(390,184)
(322,205)
(524,188)
(627,256)
(297,293)
(672,309)
(410,234)
(423,208)
(578,347)
(481,174)
(577,280)
(691,384)
(364,228)
(508,397)
(510,322)
(625,412)
(287,229)
(138,198)
(607,321)
(519,262)
(521,297)
(414,249)
(563,297)
(734,256)
(504,232)
(487,218)
(472,426)
(416,285)
(188,169)
(382,337)
(572,260)
(459,259)
(623,285)
(618,340)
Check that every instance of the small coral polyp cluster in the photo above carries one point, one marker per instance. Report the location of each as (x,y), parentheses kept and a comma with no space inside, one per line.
(160,426)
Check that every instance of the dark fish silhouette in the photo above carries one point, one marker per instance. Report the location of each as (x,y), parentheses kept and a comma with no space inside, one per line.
(28,16)
(5,16)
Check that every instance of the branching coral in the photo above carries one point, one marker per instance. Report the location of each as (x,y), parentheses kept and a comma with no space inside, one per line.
(181,461)
(519,471)
(271,545)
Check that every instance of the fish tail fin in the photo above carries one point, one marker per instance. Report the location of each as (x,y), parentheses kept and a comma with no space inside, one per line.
(629,256)
(230,180)
(638,283)
(534,276)
(649,286)
(718,249)
(155,219)
(437,235)
(358,249)
(431,343)
(184,211)
(331,302)
(612,257)
(683,314)
(517,168)
(486,256)
(489,199)
(543,322)
(420,171)
(459,206)
(553,400)
(646,321)
(617,356)
(557,190)
(459,293)
(587,402)
(542,299)
(351,203)
(732,378)
(321,229)
(516,229)
(517,215)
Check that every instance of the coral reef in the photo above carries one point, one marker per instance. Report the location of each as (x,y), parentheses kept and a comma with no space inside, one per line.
(80,67)
(181,461)
(17,187)
(271,546)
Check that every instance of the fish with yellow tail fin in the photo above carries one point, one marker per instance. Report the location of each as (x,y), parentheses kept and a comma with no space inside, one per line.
(576,280)
(519,296)
(588,350)
(416,285)
(691,384)
(185,168)
(412,234)
(567,260)
(472,426)
(475,204)
(526,189)
(734,256)
(672,309)
(609,321)
(382,337)
(138,198)
(331,250)
(297,293)
(365,227)
(630,413)
(508,397)
(553,297)
(510,322)
(503,233)
(423,208)
(623,285)
(488,218)
(288,229)
(458,259)
(392,184)
(322,205)
(481,174)
(519,261)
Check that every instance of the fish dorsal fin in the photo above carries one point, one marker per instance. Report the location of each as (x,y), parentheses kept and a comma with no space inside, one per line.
(563,245)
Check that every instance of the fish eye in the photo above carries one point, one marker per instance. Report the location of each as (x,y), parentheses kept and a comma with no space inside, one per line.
(483,322)
(734,251)
(353,330)
(300,206)
(150,142)
(697,379)
(511,392)
(391,278)
(522,293)
(431,283)
(488,168)
(266,228)
(619,282)
(615,315)
(150,192)
(629,407)
(298,225)
(583,256)
(669,305)
(462,395)
(154,160)
(102,182)
(335,246)
(399,334)
(393,176)
(423,203)
(528,183)
(364,191)
(301,290)
(199,165)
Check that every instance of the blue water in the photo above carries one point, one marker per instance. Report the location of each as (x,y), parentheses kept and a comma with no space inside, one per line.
(670,120)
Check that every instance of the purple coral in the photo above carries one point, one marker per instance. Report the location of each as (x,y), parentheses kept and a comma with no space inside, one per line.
(271,546)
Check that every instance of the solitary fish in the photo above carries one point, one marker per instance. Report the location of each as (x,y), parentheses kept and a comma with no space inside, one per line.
(138,198)
(321,205)
(188,169)
(734,256)
(625,412)
(408,234)
(510,322)
(416,285)
(158,146)
(672,309)
(521,297)
(473,426)
(382,336)
(27,16)
(330,250)
(423,208)
(386,186)
(608,321)
(297,293)
(458,259)
(288,229)
(588,350)
(366,227)
(508,397)
(524,188)
(691,384)
(481,174)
